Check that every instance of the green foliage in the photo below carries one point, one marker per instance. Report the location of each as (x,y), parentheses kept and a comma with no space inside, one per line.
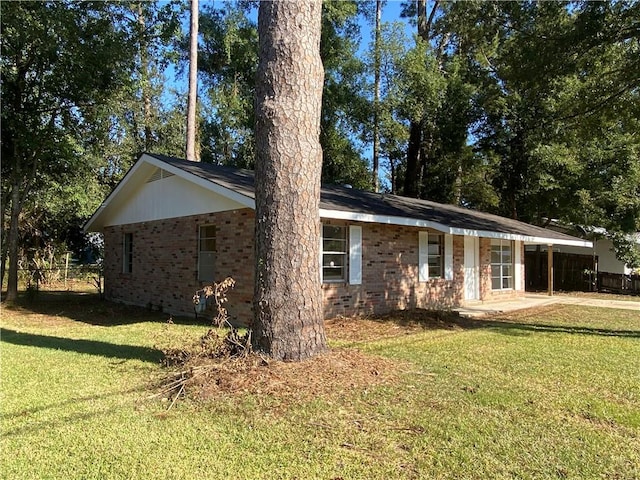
(527,109)
(627,249)
(60,62)
(556,99)
(227,61)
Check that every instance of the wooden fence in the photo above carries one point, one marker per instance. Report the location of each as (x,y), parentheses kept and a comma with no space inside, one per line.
(570,272)
(619,283)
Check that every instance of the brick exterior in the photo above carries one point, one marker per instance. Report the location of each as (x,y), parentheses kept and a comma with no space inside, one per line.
(165,259)
(390,275)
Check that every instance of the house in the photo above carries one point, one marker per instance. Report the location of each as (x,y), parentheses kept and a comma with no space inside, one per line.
(172,226)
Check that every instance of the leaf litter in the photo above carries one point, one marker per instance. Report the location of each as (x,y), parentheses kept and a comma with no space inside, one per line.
(222,364)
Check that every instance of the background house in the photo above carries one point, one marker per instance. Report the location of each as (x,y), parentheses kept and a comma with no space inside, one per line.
(172,226)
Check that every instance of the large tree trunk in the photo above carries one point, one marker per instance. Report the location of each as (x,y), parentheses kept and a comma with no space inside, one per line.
(193,83)
(288,322)
(12,280)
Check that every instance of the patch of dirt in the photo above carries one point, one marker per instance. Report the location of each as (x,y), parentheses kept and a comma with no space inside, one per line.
(327,375)
(395,324)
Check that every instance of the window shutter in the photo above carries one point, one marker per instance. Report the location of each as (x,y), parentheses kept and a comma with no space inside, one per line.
(517,268)
(448,257)
(423,256)
(355,255)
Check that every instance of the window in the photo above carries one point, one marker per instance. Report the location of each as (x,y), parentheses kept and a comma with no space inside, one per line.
(501,264)
(430,255)
(334,253)
(435,255)
(207,253)
(127,253)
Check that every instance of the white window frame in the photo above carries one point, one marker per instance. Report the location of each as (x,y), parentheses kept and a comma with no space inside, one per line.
(500,268)
(127,252)
(339,253)
(204,255)
(426,256)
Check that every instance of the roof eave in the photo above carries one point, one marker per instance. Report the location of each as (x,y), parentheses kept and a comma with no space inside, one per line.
(414,222)
(95,223)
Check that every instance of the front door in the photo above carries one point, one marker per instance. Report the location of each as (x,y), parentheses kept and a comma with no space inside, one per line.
(471,268)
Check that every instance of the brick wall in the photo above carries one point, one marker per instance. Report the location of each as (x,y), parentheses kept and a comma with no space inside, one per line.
(165,261)
(390,275)
(165,256)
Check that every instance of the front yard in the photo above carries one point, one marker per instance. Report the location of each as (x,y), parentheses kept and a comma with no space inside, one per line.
(547,393)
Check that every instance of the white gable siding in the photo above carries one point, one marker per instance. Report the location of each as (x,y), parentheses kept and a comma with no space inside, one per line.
(167,198)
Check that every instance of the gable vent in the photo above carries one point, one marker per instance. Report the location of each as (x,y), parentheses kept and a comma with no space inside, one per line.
(159,174)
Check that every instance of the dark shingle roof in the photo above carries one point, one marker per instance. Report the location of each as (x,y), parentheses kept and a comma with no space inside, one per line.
(344,199)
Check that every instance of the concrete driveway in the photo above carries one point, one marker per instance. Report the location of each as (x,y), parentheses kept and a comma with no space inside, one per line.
(531,300)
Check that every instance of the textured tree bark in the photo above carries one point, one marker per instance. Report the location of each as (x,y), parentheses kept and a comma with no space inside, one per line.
(193,83)
(288,322)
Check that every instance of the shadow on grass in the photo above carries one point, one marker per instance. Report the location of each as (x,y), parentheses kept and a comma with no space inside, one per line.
(30,425)
(510,327)
(430,319)
(90,347)
(91,309)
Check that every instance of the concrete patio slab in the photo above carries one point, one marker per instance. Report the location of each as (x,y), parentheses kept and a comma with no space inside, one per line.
(481,309)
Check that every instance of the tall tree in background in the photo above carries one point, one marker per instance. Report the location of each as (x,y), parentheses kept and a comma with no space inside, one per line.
(344,106)
(191,153)
(59,61)
(288,322)
(387,120)
(377,66)
(416,130)
(139,117)
(227,64)
(557,88)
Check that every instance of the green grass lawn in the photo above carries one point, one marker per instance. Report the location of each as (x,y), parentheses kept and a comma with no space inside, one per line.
(553,393)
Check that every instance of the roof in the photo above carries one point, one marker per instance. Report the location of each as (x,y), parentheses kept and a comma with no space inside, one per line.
(341,202)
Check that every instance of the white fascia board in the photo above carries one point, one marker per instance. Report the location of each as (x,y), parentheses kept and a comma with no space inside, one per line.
(415,222)
(202,182)
(555,241)
(386,219)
